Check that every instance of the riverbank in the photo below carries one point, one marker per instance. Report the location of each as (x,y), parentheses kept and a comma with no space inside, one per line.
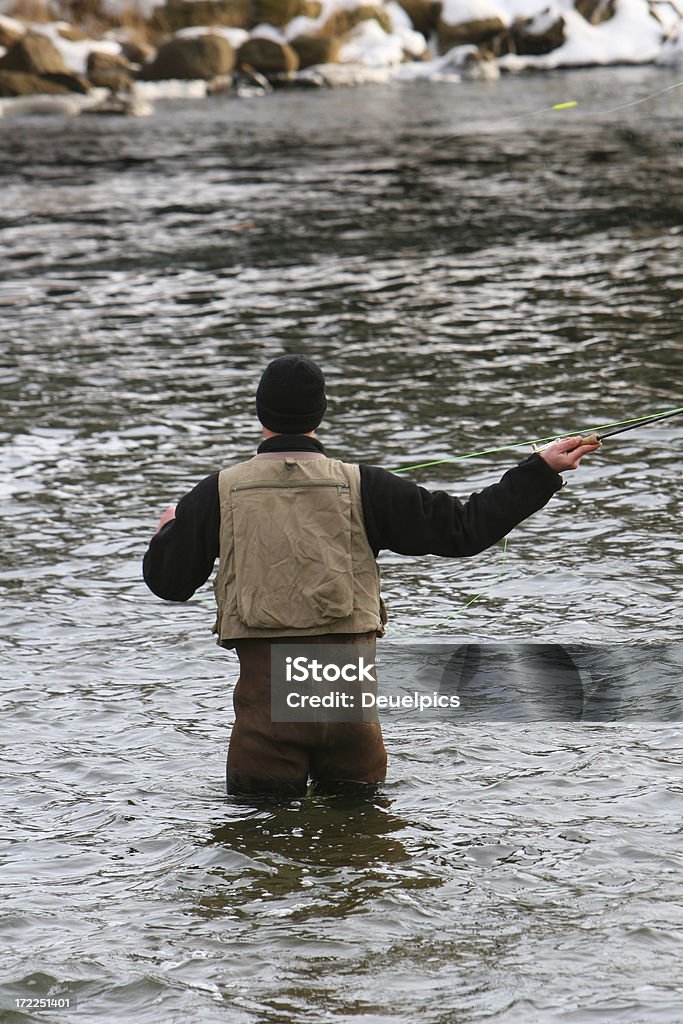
(100,55)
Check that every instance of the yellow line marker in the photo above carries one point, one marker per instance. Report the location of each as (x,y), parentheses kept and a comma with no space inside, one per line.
(565,106)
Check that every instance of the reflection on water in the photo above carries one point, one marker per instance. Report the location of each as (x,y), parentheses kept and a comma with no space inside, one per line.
(519,279)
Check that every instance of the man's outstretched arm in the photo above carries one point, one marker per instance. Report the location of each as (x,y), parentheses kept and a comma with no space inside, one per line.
(404,517)
(181,555)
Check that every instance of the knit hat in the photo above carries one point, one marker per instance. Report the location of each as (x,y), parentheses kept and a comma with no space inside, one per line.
(290,398)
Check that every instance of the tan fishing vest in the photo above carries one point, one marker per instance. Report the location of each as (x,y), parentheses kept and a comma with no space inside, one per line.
(294,555)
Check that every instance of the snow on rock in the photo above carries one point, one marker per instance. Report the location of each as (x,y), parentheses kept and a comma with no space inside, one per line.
(632,36)
(235,36)
(368,44)
(334,75)
(74,54)
(171,89)
(11,26)
(414,43)
(265,31)
(459,12)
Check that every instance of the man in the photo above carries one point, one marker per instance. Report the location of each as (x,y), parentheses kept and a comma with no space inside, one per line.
(297,534)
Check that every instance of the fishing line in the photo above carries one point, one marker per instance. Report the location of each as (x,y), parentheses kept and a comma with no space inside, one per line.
(643,99)
(568,105)
(462,608)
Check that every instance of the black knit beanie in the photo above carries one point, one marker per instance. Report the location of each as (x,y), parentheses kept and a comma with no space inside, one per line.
(290,398)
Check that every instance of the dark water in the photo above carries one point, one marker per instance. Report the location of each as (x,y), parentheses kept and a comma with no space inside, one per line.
(521,279)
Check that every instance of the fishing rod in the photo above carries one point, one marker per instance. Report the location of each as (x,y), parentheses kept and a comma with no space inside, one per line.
(591,436)
(595,438)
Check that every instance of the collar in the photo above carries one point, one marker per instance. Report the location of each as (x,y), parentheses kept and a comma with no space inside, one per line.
(290,443)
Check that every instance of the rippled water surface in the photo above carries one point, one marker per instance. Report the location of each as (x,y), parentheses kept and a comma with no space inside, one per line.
(519,279)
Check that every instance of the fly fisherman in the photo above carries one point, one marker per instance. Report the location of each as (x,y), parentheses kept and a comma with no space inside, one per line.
(297,534)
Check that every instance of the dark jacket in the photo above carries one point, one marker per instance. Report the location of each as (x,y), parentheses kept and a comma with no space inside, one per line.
(399,516)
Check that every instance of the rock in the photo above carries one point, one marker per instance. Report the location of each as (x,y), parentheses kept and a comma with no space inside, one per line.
(267,56)
(314,50)
(200,57)
(50,106)
(70,80)
(115,81)
(20,83)
(595,11)
(310,9)
(343,21)
(121,106)
(219,85)
(281,12)
(137,51)
(470,63)
(71,33)
(34,54)
(424,14)
(540,34)
(345,75)
(275,12)
(177,14)
(11,31)
(467,33)
(109,71)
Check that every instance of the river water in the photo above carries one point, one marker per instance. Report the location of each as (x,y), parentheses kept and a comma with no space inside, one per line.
(520,278)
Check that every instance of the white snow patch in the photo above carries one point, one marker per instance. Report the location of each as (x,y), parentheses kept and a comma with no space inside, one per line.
(457,12)
(426,71)
(414,43)
(368,44)
(347,75)
(235,36)
(171,89)
(12,25)
(51,106)
(265,31)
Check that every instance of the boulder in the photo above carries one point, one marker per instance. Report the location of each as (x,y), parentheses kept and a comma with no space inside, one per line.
(313,50)
(136,51)
(343,21)
(201,57)
(70,80)
(177,14)
(281,12)
(109,71)
(71,33)
(19,83)
(467,33)
(275,12)
(595,11)
(267,56)
(424,14)
(540,34)
(34,54)
(11,31)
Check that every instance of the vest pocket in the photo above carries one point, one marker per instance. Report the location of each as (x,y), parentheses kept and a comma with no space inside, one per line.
(292,545)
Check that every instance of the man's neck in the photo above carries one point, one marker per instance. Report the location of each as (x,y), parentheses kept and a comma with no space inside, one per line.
(291,443)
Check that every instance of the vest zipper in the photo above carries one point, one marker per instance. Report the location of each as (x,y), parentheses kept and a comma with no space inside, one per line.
(341,487)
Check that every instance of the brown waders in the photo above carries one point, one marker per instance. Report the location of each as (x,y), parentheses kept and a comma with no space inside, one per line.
(266,757)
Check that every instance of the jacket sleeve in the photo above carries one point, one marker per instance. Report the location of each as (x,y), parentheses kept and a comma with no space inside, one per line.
(403,517)
(181,556)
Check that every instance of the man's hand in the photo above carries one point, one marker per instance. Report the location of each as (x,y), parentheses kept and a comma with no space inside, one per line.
(567,453)
(168,515)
